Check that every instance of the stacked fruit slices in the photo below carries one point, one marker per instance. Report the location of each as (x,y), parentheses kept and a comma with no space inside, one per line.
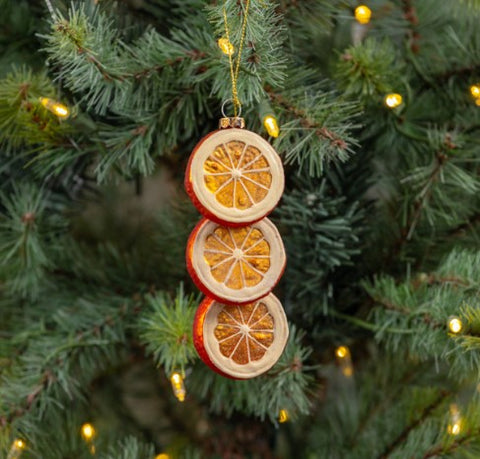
(235,255)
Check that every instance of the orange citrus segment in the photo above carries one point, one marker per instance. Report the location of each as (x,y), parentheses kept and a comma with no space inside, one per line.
(235,265)
(218,161)
(237,257)
(237,174)
(234,177)
(244,333)
(235,150)
(240,341)
(251,277)
(239,236)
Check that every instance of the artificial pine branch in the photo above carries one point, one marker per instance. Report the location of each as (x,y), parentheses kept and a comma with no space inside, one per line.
(166,332)
(421,418)
(144,81)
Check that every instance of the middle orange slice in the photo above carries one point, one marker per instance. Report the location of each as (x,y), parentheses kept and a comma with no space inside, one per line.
(235,265)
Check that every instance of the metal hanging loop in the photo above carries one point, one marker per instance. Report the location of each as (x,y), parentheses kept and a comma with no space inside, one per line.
(223,108)
(231,121)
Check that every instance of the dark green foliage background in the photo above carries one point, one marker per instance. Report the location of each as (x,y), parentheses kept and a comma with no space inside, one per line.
(380,219)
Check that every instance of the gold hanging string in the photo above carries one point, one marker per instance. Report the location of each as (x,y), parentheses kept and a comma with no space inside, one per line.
(235,67)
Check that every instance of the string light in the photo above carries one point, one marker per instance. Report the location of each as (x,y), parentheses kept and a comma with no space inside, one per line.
(342,351)
(363,14)
(225,46)
(178,386)
(19,444)
(271,125)
(344,359)
(283,416)
(475,90)
(16,449)
(58,109)
(455,325)
(393,100)
(88,433)
(456,421)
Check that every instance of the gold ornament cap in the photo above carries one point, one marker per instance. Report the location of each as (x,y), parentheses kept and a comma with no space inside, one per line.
(232,122)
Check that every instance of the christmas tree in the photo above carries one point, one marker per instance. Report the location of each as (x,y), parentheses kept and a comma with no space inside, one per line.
(374,111)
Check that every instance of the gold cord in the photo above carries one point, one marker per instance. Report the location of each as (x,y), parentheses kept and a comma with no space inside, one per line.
(235,67)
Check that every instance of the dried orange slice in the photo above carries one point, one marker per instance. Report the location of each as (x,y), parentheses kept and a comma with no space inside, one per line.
(234,177)
(240,342)
(235,264)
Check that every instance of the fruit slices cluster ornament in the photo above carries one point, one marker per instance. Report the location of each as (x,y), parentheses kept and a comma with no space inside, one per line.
(235,255)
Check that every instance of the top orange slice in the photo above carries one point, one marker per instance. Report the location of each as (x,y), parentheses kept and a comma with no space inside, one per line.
(235,177)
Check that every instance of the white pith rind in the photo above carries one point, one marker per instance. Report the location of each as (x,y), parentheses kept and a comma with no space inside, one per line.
(254,368)
(207,198)
(245,294)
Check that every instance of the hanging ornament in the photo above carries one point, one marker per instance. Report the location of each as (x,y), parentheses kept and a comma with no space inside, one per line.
(235,265)
(234,176)
(235,255)
(240,342)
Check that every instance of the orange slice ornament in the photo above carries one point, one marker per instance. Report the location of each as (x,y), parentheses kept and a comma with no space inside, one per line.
(240,342)
(235,265)
(234,177)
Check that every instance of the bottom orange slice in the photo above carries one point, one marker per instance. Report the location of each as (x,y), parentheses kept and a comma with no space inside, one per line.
(240,341)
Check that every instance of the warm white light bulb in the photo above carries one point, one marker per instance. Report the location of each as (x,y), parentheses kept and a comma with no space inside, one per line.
(475,90)
(16,449)
(393,100)
(58,109)
(363,14)
(271,125)
(88,432)
(455,325)
(455,426)
(178,386)
(344,360)
(19,444)
(225,46)
(342,351)
(283,416)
